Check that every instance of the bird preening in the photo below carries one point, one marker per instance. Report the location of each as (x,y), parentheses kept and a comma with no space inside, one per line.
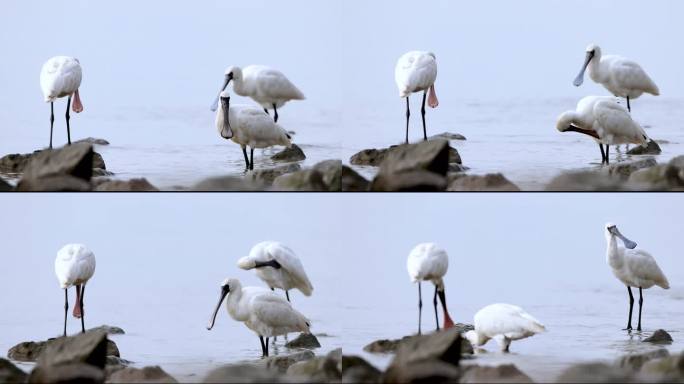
(61,77)
(633,267)
(74,266)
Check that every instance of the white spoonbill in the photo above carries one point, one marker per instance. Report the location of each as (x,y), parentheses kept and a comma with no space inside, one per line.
(248,126)
(61,76)
(74,266)
(622,77)
(602,118)
(267,86)
(634,268)
(427,262)
(417,71)
(503,323)
(278,266)
(262,311)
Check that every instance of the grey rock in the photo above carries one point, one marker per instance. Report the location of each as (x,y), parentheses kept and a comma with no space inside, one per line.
(55,183)
(432,156)
(668,369)
(98,161)
(93,140)
(624,169)
(319,369)
(409,181)
(293,153)
(331,170)
(651,148)
(635,361)
(585,181)
(132,185)
(114,364)
(504,373)
(152,374)
(74,160)
(488,182)
(283,362)
(447,136)
(454,156)
(369,157)
(424,371)
(27,350)
(99,172)
(660,336)
(229,183)
(353,182)
(444,345)
(90,348)
(31,351)
(243,373)
(5,186)
(596,373)
(10,373)
(15,162)
(306,180)
(304,340)
(67,373)
(267,175)
(109,329)
(665,177)
(456,168)
(357,370)
(391,345)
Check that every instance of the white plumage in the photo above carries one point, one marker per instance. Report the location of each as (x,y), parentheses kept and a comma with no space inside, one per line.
(268,87)
(602,118)
(416,71)
(633,267)
(74,266)
(262,311)
(61,76)
(503,323)
(248,127)
(622,77)
(278,266)
(428,262)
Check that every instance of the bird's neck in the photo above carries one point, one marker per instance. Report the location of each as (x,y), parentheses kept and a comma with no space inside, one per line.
(239,87)
(612,255)
(233,305)
(595,68)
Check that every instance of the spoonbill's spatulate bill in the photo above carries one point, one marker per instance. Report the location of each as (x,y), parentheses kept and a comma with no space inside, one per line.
(633,267)
(606,121)
(416,71)
(60,77)
(278,266)
(427,262)
(74,266)
(261,310)
(248,126)
(503,323)
(267,86)
(622,77)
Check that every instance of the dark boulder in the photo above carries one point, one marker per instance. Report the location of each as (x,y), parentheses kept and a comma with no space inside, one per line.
(67,373)
(319,369)
(409,181)
(651,148)
(660,336)
(371,157)
(353,182)
(109,329)
(423,371)
(267,175)
(293,153)
(229,183)
(153,374)
(10,373)
(93,141)
(504,373)
(31,351)
(55,183)
(585,181)
(5,186)
(447,136)
(281,363)
(132,185)
(357,370)
(488,182)
(625,168)
(304,340)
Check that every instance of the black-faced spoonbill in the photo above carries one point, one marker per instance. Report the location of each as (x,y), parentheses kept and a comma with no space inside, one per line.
(417,71)
(622,77)
(503,323)
(427,262)
(261,310)
(61,76)
(248,126)
(267,86)
(634,268)
(74,266)
(602,118)
(278,266)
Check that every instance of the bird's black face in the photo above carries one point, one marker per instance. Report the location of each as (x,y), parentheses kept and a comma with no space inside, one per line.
(227,131)
(225,289)
(227,80)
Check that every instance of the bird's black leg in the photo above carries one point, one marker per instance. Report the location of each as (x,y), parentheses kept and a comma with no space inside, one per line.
(67,121)
(607,154)
(266,110)
(263,349)
(81,304)
(287,295)
(408,114)
(434,302)
(641,302)
(420,305)
(631,304)
(603,154)
(266,346)
(244,152)
(251,158)
(629,108)
(66,309)
(52,120)
(422,112)
(275,113)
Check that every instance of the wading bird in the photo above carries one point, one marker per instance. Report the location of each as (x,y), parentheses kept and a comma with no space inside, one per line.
(268,87)
(61,76)
(622,77)
(503,323)
(278,266)
(248,126)
(261,310)
(74,266)
(634,268)
(602,118)
(427,262)
(416,71)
